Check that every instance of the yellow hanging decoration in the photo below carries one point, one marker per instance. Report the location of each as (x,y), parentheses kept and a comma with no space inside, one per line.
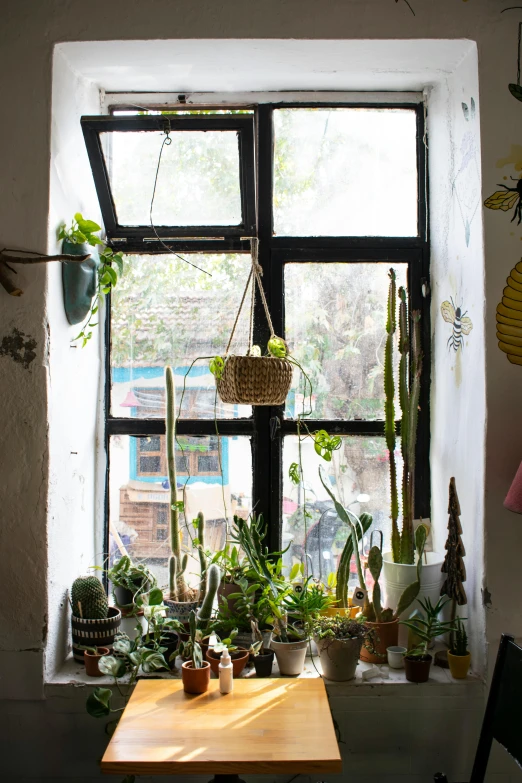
(509,317)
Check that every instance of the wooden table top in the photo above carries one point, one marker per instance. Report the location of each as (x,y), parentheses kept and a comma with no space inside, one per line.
(266,725)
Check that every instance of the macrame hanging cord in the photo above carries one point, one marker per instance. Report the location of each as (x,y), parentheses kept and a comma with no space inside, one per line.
(254,277)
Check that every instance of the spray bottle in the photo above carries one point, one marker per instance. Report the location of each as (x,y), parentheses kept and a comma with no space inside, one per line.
(226,677)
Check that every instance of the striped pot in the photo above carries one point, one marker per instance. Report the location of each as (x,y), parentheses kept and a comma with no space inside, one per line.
(90,633)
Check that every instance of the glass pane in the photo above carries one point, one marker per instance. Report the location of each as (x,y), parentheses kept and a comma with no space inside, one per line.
(345,172)
(139,500)
(164,311)
(335,324)
(359,468)
(198,181)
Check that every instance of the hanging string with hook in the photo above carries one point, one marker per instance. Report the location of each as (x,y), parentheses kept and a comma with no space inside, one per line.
(167,141)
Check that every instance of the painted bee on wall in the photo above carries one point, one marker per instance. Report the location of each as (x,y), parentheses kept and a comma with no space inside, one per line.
(507,199)
(460,322)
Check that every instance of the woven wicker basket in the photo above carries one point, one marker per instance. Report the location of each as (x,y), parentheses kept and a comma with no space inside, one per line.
(255,380)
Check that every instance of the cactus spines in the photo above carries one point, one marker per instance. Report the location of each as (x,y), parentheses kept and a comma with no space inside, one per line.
(389,411)
(202,555)
(89,599)
(205,610)
(177,584)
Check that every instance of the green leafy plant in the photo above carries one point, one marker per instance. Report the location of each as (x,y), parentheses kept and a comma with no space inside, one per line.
(108,272)
(138,579)
(191,648)
(428,627)
(410,371)
(339,627)
(460,645)
(305,605)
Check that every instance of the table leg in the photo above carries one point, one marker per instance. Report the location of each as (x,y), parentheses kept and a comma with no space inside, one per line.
(226,779)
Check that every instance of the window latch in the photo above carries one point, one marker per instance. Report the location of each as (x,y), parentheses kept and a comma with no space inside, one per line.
(275,426)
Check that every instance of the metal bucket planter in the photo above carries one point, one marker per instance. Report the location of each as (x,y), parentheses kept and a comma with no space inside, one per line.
(290,656)
(339,657)
(94,633)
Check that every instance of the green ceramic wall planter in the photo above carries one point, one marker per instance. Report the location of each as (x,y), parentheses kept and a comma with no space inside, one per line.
(79,281)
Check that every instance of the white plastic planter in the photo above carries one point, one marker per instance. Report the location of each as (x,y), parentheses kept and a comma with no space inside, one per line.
(290,656)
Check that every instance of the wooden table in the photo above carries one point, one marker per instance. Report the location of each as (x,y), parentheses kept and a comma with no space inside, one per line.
(263,726)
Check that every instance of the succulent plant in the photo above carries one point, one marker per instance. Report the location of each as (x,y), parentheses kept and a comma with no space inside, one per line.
(89,599)
(460,645)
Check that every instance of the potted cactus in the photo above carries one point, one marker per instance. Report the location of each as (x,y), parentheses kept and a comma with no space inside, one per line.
(93,622)
(417,661)
(459,657)
(181,600)
(195,672)
(399,567)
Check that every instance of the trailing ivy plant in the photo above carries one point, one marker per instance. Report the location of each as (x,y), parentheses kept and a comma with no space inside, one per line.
(83,231)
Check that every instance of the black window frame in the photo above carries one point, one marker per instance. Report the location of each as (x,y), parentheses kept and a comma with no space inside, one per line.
(267,426)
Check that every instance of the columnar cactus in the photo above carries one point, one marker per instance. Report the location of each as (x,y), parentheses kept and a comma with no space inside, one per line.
(202,556)
(205,610)
(177,563)
(389,411)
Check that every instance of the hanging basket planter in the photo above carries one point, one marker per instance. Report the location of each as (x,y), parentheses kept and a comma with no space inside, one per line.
(254,379)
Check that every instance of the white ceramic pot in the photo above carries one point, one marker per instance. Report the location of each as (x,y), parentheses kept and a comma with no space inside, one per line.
(180,610)
(290,656)
(396,657)
(129,624)
(397,576)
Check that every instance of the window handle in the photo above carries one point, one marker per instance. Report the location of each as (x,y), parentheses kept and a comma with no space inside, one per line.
(275,426)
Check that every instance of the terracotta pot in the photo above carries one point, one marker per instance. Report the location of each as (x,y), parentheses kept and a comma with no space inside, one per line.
(94,633)
(290,656)
(239,661)
(263,663)
(195,680)
(417,669)
(386,635)
(339,657)
(459,665)
(92,659)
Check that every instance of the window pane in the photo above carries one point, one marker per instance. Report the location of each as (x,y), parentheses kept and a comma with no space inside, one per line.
(198,180)
(345,172)
(139,504)
(335,324)
(359,467)
(166,312)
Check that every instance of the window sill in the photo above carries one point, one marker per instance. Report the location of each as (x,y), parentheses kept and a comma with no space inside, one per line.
(73,674)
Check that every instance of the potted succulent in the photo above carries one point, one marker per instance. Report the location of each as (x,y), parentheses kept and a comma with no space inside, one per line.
(339,641)
(303,606)
(459,657)
(91,659)
(93,621)
(195,672)
(238,655)
(248,610)
(385,622)
(161,631)
(263,660)
(399,564)
(417,661)
(130,582)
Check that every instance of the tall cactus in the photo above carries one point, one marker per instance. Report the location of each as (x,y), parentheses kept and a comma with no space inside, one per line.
(205,610)
(202,556)
(409,391)
(389,410)
(177,564)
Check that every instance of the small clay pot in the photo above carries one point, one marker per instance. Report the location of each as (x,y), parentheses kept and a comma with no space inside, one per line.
(459,665)
(239,660)
(385,635)
(92,659)
(195,680)
(263,662)
(417,669)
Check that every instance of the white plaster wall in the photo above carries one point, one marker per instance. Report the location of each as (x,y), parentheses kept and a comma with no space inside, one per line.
(458,406)
(28,34)
(75,372)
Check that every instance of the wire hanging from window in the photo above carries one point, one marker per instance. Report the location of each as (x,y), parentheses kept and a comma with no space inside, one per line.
(167,141)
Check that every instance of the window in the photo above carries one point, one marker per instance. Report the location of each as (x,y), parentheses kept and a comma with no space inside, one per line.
(335,195)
